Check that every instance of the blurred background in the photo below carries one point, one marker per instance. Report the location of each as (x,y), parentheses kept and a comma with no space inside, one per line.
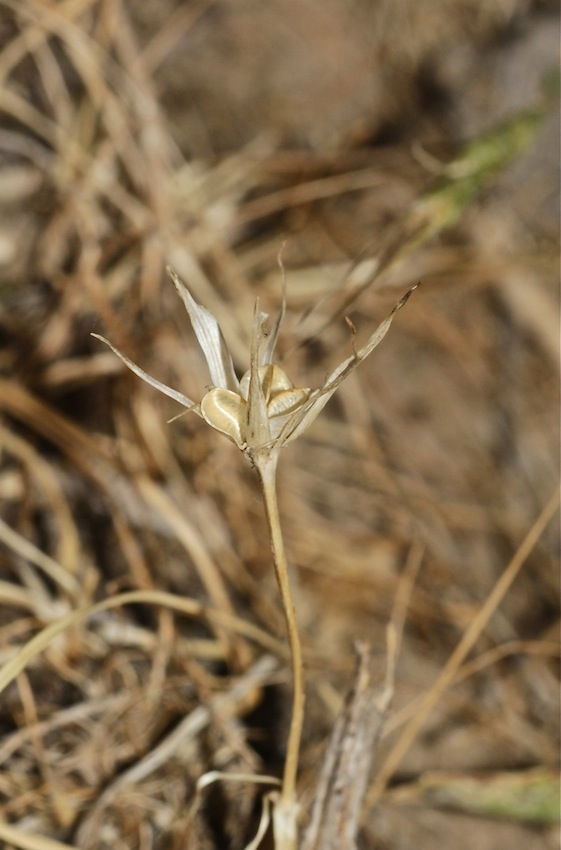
(208,135)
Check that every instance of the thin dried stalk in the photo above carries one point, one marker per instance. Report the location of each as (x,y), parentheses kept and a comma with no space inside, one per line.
(466,643)
(266,469)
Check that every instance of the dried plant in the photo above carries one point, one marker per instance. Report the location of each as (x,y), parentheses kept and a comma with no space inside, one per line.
(123,140)
(261,414)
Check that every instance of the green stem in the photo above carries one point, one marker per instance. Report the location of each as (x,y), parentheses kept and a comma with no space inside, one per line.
(267,467)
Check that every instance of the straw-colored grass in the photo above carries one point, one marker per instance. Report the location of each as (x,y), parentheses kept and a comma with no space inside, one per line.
(142,639)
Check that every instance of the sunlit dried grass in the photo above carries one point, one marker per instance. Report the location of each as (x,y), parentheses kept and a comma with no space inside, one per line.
(447,439)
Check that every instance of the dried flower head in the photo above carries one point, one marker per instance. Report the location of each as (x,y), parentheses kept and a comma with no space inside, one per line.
(263,411)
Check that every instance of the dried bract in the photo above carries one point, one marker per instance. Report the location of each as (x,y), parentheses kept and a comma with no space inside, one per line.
(265,410)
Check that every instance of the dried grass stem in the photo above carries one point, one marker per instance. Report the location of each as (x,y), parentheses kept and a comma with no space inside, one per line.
(266,466)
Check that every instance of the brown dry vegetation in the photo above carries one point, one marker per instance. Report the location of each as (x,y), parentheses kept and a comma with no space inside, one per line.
(133,134)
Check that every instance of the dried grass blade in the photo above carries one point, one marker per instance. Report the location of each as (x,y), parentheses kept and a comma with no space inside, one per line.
(31,841)
(336,809)
(189,607)
(27,550)
(468,640)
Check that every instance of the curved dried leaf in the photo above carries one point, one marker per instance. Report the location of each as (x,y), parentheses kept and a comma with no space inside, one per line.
(163,388)
(210,338)
(319,398)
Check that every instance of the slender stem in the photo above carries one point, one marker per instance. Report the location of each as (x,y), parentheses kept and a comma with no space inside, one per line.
(267,467)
